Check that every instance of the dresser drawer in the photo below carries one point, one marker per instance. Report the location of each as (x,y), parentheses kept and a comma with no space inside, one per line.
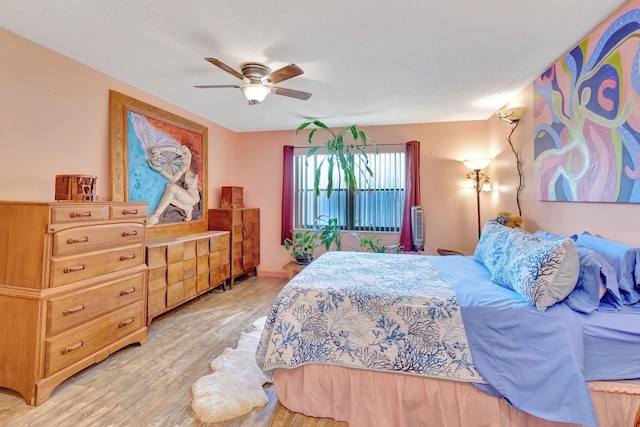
(71,310)
(127,211)
(83,266)
(76,344)
(78,213)
(237,234)
(94,237)
(237,216)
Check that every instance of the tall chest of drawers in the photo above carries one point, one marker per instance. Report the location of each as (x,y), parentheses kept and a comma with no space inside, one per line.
(72,289)
(244,226)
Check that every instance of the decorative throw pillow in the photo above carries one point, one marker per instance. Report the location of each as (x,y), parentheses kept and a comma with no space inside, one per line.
(500,273)
(491,245)
(624,259)
(542,271)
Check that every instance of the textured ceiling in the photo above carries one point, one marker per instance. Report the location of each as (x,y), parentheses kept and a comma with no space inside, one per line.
(368,62)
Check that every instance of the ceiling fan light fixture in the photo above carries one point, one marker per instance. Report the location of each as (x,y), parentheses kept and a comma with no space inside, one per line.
(259,80)
(255,93)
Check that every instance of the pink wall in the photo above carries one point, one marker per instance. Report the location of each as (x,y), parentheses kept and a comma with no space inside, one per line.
(55,120)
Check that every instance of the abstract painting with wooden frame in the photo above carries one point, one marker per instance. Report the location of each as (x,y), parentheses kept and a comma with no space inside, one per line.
(159,158)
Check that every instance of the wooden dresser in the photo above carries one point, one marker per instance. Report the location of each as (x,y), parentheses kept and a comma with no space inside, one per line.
(182,267)
(72,289)
(244,226)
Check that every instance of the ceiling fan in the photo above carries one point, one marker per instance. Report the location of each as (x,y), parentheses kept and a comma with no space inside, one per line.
(259,80)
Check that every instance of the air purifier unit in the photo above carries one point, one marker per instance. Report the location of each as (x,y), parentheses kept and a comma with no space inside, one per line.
(417,227)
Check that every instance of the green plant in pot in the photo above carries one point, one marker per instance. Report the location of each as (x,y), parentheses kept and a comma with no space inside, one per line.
(302,245)
(374,244)
(329,232)
(340,154)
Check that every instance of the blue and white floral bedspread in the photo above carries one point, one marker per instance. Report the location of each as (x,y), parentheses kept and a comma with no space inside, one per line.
(355,310)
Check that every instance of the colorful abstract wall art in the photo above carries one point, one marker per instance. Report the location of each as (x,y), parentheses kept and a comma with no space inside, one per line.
(587,117)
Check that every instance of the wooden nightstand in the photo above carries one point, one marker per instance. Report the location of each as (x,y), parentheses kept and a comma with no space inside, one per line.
(293,267)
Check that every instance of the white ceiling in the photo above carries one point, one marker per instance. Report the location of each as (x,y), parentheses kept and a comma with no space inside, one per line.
(366,62)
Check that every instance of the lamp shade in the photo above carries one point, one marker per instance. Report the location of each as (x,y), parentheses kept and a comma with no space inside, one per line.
(510,115)
(255,93)
(476,164)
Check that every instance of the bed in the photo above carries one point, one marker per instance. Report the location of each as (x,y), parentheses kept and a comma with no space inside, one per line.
(405,340)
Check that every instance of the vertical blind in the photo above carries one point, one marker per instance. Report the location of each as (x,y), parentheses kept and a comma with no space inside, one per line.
(376,205)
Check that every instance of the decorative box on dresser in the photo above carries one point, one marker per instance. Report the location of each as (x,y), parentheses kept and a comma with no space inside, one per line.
(72,289)
(182,267)
(244,226)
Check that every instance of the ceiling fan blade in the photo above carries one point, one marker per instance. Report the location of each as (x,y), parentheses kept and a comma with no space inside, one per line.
(291,93)
(284,73)
(225,67)
(216,86)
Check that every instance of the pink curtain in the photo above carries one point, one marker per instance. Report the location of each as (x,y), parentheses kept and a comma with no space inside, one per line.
(411,192)
(287,193)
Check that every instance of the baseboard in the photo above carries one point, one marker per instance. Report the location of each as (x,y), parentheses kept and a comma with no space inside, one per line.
(273,273)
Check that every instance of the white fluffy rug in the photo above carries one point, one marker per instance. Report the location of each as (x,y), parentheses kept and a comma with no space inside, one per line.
(235,386)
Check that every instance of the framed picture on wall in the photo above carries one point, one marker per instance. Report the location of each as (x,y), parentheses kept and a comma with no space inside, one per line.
(159,158)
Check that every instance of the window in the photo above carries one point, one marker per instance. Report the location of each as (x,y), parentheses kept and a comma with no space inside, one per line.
(376,206)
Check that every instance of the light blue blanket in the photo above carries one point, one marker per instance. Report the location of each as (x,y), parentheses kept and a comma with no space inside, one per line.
(533,359)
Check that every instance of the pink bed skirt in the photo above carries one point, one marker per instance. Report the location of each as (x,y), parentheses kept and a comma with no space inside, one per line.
(367,398)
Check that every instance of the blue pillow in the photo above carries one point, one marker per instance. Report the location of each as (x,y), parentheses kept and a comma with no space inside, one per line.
(597,281)
(624,259)
(542,271)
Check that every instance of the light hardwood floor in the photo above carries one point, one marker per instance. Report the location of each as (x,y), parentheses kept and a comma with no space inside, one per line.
(150,385)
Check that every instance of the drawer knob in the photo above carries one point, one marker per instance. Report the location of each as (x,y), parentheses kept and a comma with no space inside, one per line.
(72,269)
(130,212)
(80,214)
(73,310)
(126,257)
(125,322)
(73,347)
(80,240)
(128,291)
(129,233)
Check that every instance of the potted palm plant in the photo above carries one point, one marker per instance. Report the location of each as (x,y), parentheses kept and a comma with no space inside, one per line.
(302,245)
(340,154)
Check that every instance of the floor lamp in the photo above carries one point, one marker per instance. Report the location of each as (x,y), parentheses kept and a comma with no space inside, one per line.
(480,181)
